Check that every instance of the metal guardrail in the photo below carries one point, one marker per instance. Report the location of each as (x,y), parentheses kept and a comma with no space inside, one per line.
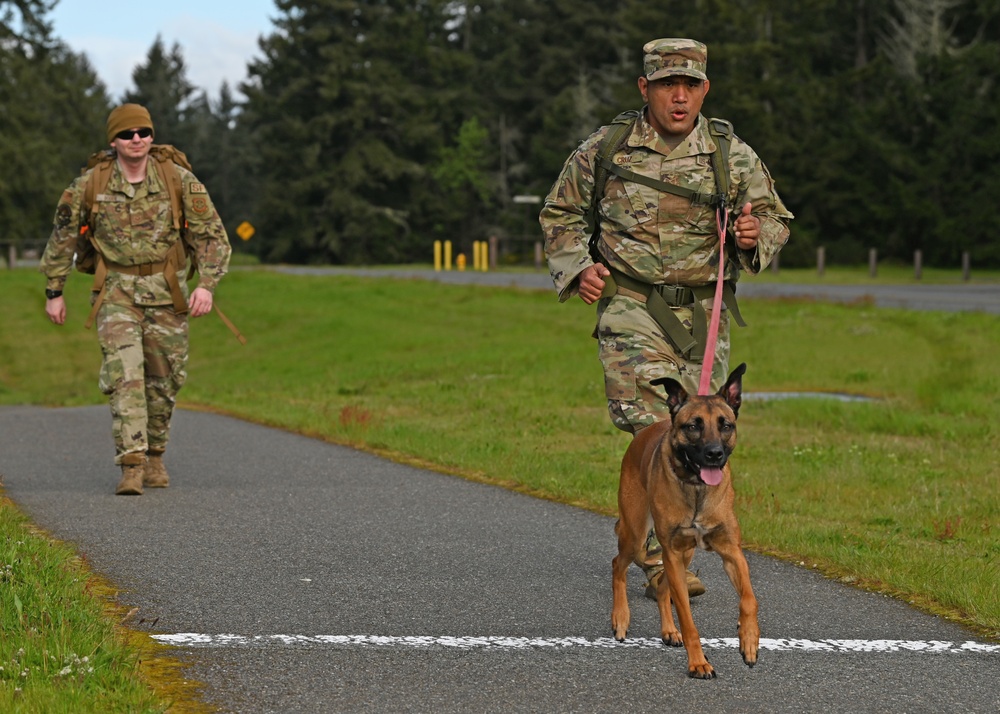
(22,254)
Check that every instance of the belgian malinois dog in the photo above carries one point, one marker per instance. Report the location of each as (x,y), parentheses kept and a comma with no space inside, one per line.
(676,473)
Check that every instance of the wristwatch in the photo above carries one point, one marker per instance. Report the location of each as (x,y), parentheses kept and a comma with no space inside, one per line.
(52,294)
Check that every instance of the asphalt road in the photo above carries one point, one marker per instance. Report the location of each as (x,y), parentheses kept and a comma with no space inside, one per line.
(346,583)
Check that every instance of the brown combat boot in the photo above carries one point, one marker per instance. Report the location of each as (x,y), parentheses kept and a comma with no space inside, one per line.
(131,483)
(156,475)
(652,565)
(695,586)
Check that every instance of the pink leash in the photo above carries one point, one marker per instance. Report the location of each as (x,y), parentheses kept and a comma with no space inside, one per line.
(707,363)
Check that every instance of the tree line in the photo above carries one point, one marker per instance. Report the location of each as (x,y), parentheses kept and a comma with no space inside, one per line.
(368,129)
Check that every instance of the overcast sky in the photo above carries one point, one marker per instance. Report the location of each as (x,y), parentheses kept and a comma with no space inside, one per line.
(217,37)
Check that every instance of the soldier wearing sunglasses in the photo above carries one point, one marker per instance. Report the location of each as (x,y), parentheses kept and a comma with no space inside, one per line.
(141,327)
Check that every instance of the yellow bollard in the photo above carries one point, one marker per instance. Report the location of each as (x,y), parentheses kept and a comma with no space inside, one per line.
(484,258)
(447,255)
(437,256)
(460,261)
(475,255)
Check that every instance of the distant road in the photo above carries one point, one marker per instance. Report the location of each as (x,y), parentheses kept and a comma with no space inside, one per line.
(948,298)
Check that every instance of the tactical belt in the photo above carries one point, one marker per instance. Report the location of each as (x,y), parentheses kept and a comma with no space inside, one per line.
(660,298)
(169,267)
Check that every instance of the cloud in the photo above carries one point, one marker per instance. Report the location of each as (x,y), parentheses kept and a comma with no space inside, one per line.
(212,54)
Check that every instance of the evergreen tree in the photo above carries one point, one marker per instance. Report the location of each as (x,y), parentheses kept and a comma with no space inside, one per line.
(52,115)
(186,117)
(373,127)
(462,171)
(22,22)
(162,86)
(343,112)
(941,153)
(223,151)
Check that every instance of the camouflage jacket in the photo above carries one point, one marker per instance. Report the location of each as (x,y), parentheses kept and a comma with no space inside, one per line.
(133,226)
(650,235)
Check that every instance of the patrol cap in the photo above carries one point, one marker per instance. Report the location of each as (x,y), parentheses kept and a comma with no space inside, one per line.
(128,116)
(672,55)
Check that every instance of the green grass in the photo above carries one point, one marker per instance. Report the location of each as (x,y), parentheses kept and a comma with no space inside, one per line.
(897,495)
(59,648)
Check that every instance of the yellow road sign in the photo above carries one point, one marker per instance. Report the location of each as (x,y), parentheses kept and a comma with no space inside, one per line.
(245,230)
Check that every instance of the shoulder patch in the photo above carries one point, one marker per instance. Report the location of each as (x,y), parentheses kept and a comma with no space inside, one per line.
(197,188)
(199,204)
(64,214)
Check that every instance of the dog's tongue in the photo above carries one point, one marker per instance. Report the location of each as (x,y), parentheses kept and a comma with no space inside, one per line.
(713,477)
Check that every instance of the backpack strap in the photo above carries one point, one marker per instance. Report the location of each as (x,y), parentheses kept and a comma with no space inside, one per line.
(96,184)
(722,131)
(616,137)
(169,267)
(176,258)
(171,178)
(166,159)
(696,198)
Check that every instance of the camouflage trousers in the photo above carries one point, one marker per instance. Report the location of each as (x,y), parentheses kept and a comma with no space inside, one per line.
(145,352)
(634,351)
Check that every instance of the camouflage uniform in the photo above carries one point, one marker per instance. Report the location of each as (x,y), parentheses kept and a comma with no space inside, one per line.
(656,238)
(143,340)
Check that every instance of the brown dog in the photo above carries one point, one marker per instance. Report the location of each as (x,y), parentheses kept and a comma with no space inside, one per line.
(676,473)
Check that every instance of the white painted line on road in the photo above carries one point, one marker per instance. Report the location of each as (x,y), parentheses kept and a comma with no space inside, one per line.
(193,639)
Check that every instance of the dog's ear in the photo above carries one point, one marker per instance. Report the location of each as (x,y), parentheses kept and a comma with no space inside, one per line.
(732,390)
(676,394)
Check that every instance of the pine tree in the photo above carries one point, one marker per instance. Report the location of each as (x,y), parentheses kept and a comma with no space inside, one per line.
(162,86)
(342,109)
(52,115)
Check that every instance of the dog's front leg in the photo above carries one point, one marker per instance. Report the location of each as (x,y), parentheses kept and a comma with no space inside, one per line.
(668,629)
(698,666)
(620,615)
(738,571)
(631,531)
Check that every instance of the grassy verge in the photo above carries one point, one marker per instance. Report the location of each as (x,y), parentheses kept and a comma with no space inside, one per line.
(501,385)
(60,650)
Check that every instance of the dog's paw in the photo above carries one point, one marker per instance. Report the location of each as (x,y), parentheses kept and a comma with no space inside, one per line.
(701,671)
(619,626)
(673,639)
(620,631)
(749,643)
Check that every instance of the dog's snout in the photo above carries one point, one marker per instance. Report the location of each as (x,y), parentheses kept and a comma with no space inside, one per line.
(714,454)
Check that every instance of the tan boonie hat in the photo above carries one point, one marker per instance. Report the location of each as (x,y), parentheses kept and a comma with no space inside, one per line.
(128,116)
(672,55)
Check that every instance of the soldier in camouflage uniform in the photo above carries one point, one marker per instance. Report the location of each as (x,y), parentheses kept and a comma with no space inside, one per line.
(651,240)
(142,333)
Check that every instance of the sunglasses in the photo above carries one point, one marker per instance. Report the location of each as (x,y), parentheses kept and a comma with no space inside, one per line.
(127,135)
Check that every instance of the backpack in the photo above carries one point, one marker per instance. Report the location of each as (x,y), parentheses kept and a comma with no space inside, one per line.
(166,159)
(720,129)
